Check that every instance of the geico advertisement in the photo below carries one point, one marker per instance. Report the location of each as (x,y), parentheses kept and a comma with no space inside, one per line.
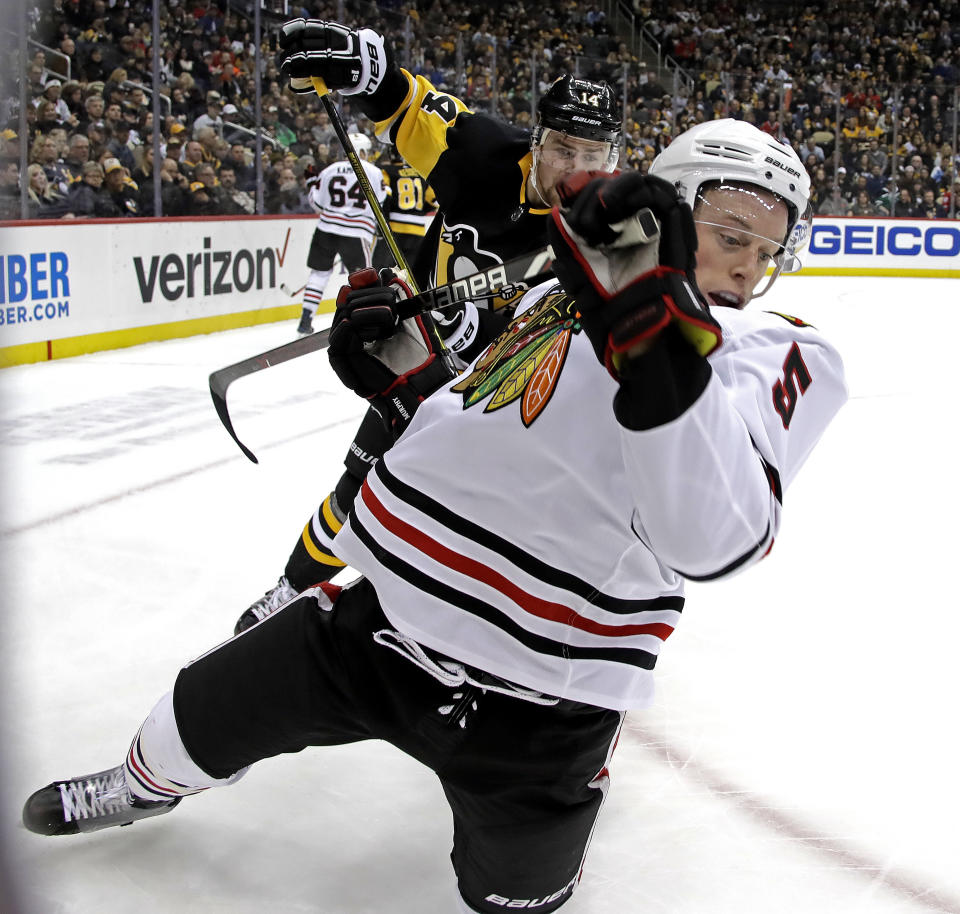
(66,280)
(911,246)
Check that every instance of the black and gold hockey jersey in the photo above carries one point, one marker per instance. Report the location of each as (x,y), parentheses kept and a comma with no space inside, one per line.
(477,166)
(411,202)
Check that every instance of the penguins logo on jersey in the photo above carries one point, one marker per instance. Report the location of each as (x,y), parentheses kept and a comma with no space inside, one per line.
(525,361)
(459,254)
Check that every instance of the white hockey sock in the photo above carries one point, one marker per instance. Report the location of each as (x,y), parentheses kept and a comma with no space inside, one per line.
(158,766)
(313,293)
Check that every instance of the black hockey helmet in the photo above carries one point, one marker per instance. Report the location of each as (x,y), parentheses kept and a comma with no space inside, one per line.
(582,108)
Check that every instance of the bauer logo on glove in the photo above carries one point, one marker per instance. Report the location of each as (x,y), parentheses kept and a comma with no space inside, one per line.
(354,62)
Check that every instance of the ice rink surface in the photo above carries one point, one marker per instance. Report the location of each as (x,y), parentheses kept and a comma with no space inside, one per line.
(802,754)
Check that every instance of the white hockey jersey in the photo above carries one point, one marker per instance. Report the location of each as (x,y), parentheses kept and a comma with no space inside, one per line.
(340,204)
(518,527)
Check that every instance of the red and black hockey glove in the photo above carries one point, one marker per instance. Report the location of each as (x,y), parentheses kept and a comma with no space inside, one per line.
(392,363)
(625,247)
(352,61)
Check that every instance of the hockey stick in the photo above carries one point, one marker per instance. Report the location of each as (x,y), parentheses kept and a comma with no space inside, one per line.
(504,279)
(290,293)
(221,379)
(340,129)
(321,89)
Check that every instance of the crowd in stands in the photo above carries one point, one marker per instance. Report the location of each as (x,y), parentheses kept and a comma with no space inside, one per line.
(865,92)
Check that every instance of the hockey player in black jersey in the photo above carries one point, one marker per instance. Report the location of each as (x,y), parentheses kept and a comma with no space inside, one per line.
(494,184)
(410,209)
(631,428)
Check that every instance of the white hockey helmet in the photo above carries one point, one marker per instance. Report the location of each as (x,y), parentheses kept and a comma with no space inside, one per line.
(361,143)
(736,152)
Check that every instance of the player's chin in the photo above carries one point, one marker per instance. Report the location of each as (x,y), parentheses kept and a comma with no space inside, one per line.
(550,196)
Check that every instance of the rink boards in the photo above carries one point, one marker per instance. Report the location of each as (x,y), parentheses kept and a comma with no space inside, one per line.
(70,287)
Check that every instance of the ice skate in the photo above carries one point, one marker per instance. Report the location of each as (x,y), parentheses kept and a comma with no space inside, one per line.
(270,602)
(306,322)
(87,803)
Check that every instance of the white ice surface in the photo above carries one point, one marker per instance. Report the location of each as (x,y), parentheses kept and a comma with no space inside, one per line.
(802,754)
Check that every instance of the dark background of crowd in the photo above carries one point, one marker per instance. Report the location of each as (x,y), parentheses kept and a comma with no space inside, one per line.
(866,93)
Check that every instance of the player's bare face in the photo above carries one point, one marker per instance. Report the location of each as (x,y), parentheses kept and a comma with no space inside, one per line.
(561,155)
(739,234)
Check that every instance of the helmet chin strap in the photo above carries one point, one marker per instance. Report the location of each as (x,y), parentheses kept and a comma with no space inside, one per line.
(532,178)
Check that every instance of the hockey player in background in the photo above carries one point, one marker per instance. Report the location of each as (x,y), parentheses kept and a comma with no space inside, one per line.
(410,209)
(494,184)
(345,224)
(630,428)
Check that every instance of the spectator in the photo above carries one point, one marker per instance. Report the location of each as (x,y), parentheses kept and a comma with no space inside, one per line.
(240,201)
(907,205)
(429,70)
(192,157)
(9,189)
(142,176)
(244,172)
(283,134)
(35,81)
(322,130)
(218,203)
(172,149)
(72,96)
(93,68)
(43,200)
(86,197)
(211,118)
(174,189)
(52,93)
(46,116)
(284,195)
(120,147)
(811,147)
(120,191)
(930,207)
(78,154)
(178,134)
(211,144)
(98,134)
(835,204)
(93,110)
(863,205)
(44,154)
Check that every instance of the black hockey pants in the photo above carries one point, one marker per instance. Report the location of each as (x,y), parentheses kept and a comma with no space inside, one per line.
(525,781)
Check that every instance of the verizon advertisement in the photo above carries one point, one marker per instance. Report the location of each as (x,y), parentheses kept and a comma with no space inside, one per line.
(83,286)
(77,279)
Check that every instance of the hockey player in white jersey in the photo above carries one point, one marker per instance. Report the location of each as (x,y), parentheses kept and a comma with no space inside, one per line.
(524,544)
(345,224)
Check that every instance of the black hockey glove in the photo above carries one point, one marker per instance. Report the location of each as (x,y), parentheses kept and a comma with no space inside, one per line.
(392,363)
(625,249)
(352,61)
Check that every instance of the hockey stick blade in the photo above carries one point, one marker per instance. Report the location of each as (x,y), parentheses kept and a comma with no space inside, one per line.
(504,279)
(221,379)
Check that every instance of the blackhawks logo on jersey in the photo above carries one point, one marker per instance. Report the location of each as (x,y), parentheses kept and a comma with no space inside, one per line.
(525,361)
(790,319)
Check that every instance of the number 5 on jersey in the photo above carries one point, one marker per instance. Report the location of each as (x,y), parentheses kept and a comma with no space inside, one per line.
(793,385)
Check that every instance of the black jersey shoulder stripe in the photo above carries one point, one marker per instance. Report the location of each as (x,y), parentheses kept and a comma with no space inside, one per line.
(772,473)
(764,543)
(477,607)
(531,565)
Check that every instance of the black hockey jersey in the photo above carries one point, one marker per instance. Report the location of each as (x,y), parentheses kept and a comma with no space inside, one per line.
(477,166)
(411,203)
